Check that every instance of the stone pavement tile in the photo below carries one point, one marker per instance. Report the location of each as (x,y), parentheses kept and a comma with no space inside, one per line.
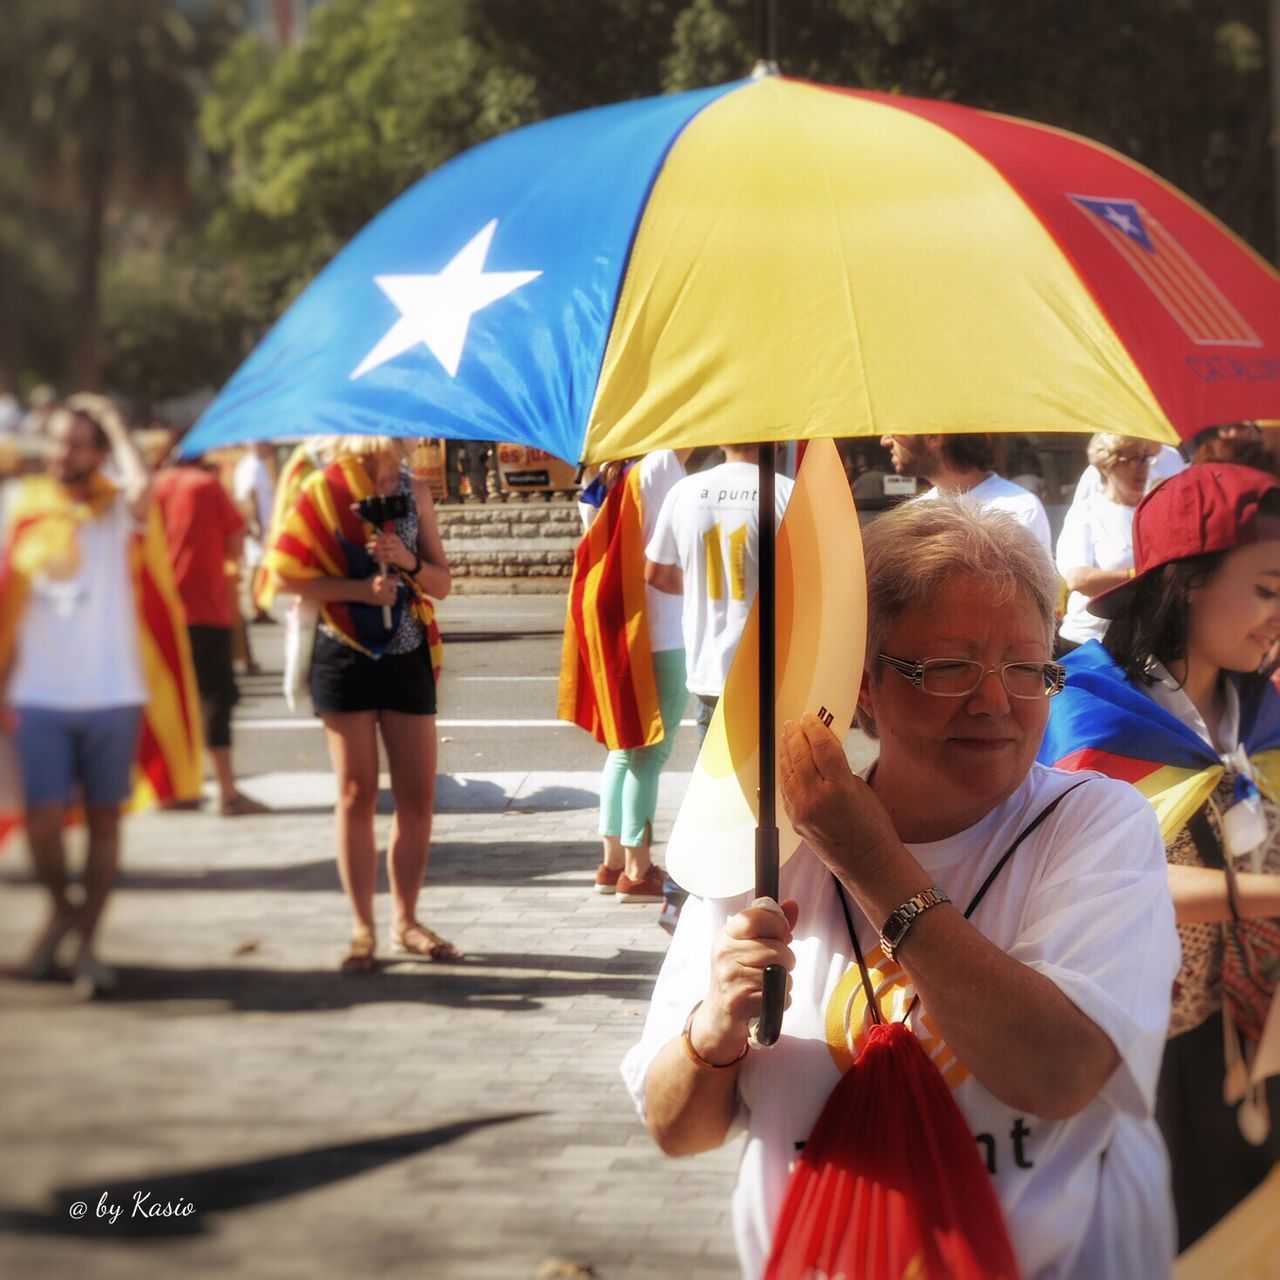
(327,1122)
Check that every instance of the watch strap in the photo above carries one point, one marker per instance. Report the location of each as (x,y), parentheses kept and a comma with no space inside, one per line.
(899,922)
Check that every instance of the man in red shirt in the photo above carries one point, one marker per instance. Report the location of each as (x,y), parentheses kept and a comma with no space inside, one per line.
(205,530)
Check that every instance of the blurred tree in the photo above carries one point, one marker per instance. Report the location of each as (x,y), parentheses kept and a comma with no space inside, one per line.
(102,97)
(583,54)
(169,326)
(1179,85)
(312,142)
(37,247)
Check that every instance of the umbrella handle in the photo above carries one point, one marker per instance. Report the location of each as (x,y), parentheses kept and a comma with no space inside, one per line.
(768,1026)
(766,1029)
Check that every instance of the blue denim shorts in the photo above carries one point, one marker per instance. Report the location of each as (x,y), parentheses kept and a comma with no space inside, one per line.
(58,749)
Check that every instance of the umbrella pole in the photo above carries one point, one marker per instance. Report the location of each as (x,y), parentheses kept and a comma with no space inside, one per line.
(769,1025)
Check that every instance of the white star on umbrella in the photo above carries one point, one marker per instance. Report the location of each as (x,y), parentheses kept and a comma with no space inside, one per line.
(437,309)
(1121,219)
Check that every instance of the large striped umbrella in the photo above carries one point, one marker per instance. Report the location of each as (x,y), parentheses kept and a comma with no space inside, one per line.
(771,259)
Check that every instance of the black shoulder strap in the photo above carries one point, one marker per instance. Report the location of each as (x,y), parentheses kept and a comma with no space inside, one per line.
(1013,848)
(872,1003)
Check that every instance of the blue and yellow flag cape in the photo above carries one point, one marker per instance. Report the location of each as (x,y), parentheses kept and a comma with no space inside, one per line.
(1102,721)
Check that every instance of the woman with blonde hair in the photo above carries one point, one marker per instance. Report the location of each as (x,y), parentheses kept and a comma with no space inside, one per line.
(362,542)
(1095,547)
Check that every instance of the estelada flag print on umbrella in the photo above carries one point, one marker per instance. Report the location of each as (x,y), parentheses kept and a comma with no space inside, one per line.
(772,259)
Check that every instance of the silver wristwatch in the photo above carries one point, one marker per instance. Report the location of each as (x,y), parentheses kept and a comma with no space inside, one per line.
(895,928)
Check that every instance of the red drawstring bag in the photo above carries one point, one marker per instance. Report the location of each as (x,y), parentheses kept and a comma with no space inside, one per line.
(890,1185)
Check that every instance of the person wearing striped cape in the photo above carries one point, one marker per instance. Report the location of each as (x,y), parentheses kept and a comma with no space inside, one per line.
(622,669)
(374,669)
(1175,700)
(95,666)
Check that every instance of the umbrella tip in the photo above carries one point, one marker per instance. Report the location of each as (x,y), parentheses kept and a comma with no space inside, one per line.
(764,68)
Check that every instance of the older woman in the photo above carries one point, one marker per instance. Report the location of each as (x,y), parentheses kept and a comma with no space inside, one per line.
(372,672)
(1046,1008)
(1095,547)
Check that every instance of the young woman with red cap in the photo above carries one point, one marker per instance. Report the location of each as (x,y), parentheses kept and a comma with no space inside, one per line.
(1176,699)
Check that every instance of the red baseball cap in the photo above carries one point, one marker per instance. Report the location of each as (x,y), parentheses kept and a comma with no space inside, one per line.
(1212,506)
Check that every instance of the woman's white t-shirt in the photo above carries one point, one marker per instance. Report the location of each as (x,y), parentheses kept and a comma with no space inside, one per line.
(1084,901)
(1096,534)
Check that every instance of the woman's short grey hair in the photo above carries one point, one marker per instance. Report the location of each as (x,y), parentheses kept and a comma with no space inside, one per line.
(1105,447)
(918,547)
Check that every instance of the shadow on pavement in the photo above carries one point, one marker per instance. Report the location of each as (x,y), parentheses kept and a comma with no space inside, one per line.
(498,637)
(506,863)
(467,984)
(555,799)
(465,795)
(224,1188)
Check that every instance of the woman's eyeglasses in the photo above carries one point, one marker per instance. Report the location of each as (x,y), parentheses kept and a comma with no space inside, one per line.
(958,677)
(1136,459)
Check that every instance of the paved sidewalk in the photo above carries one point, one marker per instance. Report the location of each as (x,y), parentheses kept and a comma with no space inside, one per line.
(463,1120)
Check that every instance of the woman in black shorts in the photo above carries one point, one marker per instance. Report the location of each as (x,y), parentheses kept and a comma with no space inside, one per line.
(368,677)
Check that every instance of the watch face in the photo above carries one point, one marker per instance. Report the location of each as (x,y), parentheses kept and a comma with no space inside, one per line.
(894,931)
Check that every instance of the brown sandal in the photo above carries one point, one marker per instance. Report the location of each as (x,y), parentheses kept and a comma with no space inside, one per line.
(417,940)
(360,957)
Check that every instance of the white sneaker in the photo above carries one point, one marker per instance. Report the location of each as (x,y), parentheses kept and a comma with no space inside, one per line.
(91,977)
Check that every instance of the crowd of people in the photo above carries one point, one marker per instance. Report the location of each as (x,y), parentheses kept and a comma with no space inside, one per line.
(1058,875)
(148,563)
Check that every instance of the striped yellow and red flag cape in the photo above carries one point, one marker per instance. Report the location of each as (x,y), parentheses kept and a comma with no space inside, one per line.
(302,462)
(1101,721)
(42,529)
(321,536)
(607,684)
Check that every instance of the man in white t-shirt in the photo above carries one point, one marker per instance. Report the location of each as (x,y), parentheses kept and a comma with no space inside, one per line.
(254,488)
(705,549)
(961,464)
(74,691)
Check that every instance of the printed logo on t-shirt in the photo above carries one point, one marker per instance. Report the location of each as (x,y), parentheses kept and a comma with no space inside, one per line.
(849,1017)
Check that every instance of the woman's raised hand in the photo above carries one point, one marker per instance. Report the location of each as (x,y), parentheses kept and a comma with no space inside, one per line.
(828,804)
(388,548)
(750,941)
